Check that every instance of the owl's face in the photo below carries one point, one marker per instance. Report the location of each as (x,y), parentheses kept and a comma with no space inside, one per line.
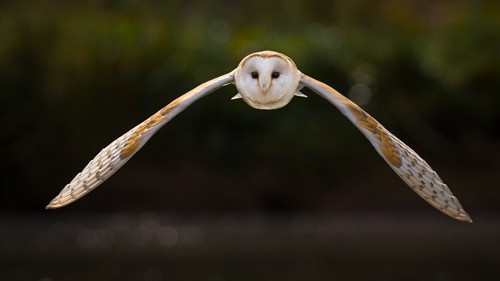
(267,80)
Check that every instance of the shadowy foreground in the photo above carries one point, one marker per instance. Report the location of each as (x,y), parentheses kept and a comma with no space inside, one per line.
(155,247)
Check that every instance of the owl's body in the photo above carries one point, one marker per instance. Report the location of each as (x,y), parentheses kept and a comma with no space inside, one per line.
(269,80)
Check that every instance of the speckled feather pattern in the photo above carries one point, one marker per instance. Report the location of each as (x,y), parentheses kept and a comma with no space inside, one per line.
(115,155)
(414,171)
(103,166)
(426,183)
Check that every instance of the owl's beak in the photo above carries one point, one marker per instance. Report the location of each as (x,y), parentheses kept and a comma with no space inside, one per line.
(264,84)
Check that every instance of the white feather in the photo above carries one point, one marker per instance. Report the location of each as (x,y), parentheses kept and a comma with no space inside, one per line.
(402,159)
(116,154)
(269,80)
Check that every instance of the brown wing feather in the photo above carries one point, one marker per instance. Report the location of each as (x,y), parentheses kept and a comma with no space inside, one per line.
(115,155)
(403,160)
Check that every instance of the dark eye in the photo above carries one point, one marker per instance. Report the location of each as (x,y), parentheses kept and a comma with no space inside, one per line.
(275,75)
(255,75)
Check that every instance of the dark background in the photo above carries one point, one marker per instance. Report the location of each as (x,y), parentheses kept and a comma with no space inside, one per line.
(227,192)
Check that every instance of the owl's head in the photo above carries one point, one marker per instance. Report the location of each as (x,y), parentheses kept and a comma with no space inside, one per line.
(267,80)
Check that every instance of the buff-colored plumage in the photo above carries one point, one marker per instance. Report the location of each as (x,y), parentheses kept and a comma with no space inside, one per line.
(402,159)
(115,155)
(269,80)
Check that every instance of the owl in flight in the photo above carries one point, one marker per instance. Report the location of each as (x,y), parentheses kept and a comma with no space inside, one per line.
(269,80)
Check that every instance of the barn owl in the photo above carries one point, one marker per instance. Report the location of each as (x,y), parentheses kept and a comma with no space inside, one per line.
(269,80)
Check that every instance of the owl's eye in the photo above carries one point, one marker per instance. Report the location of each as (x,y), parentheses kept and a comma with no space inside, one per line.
(275,75)
(255,75)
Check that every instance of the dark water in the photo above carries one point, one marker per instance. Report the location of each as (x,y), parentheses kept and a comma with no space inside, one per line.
(153,247)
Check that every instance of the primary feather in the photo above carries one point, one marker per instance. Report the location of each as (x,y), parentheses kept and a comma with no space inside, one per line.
(402,159)
(269,80)
(115,155)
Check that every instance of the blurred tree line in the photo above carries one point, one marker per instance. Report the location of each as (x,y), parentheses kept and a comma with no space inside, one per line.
(75,75)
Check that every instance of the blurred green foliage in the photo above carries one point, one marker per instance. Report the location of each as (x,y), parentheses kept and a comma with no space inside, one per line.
(74,75)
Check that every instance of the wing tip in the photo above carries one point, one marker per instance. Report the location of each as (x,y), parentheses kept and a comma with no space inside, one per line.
(51,205)
(55,204)
(463,216)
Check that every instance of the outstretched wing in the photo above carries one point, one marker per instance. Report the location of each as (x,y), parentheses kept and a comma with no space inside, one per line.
(115,155)
(402,159)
